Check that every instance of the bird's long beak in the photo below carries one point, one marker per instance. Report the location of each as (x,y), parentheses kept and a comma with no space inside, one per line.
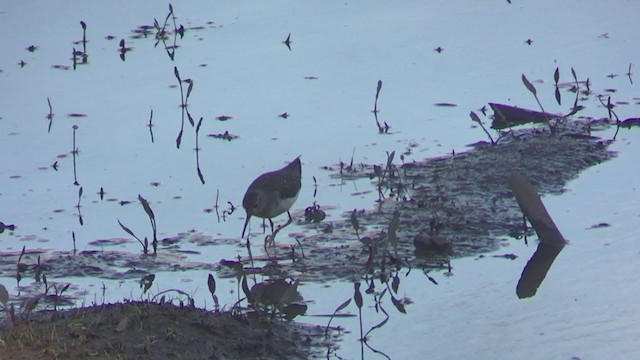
(246,222)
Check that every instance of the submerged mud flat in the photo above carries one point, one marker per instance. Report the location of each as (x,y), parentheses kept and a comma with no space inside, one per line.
(451,206)
(446,207)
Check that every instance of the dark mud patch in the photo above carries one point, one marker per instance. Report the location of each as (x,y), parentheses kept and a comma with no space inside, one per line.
(144,330)
(456,206)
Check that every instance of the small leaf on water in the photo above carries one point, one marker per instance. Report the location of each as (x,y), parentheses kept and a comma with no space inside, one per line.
(200,175)
(398,305)
(176,73)
(190,119)
(145,205)
(529,86)
(80,192)
(379,325)
(64,288)
(474,117)
(432,280)
(211,282)
(199,124)
(4,295)
(395,283)
(343,305)
(556,75)
(573,72)
(179,139)
(84,26)
(558,99)
(127,229)
(190,88)
(378,91)
(357,296)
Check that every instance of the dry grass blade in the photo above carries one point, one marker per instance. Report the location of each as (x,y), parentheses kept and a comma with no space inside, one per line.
(529,85)
(122,325)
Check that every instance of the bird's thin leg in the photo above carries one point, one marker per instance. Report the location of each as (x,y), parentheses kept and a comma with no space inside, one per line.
(288,213)
(271,222)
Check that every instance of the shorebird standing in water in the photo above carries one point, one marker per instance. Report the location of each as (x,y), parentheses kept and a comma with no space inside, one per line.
(273,193)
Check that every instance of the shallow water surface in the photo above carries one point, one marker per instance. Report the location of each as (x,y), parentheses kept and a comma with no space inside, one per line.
(262,105)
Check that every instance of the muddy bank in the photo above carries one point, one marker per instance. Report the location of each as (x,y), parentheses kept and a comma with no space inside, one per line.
(144,330)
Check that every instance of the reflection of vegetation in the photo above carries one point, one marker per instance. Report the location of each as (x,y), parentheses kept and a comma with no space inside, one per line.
(381,129)
(277,297)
